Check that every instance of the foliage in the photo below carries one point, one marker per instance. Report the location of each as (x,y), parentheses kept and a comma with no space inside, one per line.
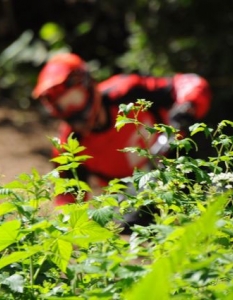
(77,251)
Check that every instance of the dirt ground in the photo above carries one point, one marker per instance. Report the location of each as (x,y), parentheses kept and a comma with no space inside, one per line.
(23,142)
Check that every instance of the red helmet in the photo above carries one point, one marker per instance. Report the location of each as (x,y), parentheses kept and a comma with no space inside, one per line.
(65,86)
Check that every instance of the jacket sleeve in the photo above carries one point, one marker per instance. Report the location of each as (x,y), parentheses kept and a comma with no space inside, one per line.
(195,89)
(128,88)
(162,91)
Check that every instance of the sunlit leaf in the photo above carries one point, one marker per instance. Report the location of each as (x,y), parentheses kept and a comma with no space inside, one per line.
(18,256)
(61,253)
(8,233)
(15,282)
(121,121)
(6,207)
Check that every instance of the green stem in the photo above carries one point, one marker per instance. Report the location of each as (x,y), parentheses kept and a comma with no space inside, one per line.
(38,269)
(31,273)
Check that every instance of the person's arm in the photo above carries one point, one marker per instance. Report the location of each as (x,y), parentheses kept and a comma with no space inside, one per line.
(192,96)
(128,88)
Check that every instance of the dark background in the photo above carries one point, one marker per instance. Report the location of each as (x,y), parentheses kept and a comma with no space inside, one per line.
(147,36)
(159,37)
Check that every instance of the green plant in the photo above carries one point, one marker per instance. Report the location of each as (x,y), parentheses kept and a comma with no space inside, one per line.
(76,251)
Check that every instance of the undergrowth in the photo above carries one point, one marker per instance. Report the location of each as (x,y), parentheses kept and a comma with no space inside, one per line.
(76,251)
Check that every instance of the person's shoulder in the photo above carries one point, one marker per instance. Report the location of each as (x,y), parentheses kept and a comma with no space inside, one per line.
(189,78)
(112,81)
(119,82)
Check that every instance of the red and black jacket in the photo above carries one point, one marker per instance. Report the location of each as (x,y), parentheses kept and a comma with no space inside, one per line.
(104,145)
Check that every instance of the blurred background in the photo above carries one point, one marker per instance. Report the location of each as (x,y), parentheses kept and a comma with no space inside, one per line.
(159,37)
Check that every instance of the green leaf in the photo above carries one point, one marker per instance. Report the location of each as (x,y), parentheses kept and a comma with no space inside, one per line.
(78,216)
(61,252)
(169,130)
(225,158)
(15,185)
(122,121)
(19,256)
(15,283)
(6,207)
(151,130)
(159,288)
(224,123)
(145,179)
(199,127)
(185,143)
(8,233)
(70,166)
(82,157)
(139,151)
(83,230)
(126,108)
(189,238)
(103,215)
(167,197)
(84,186)
(40,225)
(90,232)
(62,160)
(73,148)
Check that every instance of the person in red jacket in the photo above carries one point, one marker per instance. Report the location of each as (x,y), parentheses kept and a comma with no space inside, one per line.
(89,109)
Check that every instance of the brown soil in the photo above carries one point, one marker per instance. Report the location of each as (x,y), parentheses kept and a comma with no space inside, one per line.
(24,142)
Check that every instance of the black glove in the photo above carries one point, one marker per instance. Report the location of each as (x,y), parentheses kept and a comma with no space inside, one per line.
(181,116)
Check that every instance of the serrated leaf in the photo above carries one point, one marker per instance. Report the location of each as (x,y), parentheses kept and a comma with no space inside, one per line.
(61,253)
(61,160)
(78,216)
(74,150)
(90,232)
(122,121)
(103,215)
(145,179)
(199,127)
(162,128)
(110,201)
(73,143)
(84,230)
